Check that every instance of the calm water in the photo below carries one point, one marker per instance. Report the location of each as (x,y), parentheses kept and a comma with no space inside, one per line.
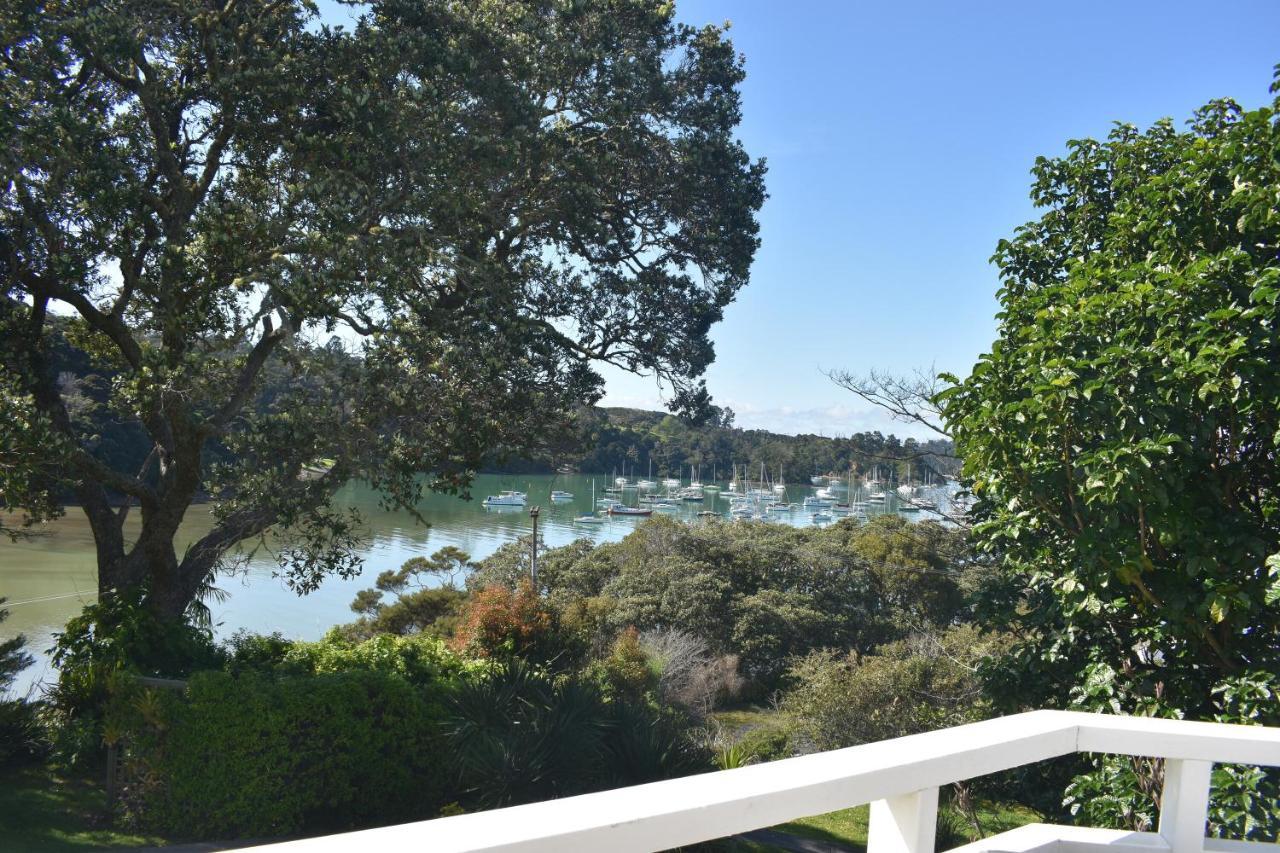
(49,577)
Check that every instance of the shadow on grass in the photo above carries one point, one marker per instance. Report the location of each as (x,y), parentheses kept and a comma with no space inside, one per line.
(44,811)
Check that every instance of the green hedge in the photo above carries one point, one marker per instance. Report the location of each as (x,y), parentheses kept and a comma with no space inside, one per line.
(421,660)
(259,755)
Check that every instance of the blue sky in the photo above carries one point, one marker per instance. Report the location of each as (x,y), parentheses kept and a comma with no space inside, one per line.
(899,138)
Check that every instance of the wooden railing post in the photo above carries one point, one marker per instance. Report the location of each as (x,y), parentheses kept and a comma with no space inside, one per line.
(1184,804)
(905,824)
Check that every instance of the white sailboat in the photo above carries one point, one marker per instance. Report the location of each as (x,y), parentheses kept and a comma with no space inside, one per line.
(647,484)
(590,518)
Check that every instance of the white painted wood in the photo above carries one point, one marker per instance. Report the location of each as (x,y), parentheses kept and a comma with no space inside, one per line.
(1218,742)
(1050,838)
(904,824)
(714,805)
(1184,804)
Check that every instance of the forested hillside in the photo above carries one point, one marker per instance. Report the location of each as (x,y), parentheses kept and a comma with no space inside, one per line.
(594,439)
(617,439)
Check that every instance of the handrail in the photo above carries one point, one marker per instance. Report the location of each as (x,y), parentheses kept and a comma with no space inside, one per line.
(900,777)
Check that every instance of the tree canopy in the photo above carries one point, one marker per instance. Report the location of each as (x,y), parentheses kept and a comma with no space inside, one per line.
(433,223)
(1122,434)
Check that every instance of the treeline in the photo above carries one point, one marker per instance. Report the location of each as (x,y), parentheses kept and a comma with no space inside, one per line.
(618,439)
(596,440)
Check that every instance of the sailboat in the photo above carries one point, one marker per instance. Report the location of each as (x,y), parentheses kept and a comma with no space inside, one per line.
(733,489)
(590,518)
(647,484)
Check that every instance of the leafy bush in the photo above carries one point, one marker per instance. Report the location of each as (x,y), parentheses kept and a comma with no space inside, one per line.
(20,734)
(759,592)
(518,734)
(627,672)
(119,634)
(502,622)
(255,755)
(1123,792)
(1121,439)
(907,687)
(425,597)
(115,637)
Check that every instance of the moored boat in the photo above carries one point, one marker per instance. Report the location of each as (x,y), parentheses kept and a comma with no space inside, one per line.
(629,510)
(506,498)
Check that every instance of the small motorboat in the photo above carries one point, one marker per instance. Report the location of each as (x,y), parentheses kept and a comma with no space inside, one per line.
(588,519)
(629,510)
(507,498)
(561,496)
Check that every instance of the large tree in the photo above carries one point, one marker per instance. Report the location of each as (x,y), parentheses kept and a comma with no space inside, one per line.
(480,199)
(1123,434)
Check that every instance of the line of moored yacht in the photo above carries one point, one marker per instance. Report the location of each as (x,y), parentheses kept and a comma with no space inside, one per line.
(762,499)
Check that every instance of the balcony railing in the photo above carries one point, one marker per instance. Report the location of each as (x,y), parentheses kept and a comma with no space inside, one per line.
(899,778)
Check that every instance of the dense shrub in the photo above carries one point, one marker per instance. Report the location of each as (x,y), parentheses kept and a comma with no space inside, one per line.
(113,639)
(519,734)
(419,660)
(119,634)
(627,671)
(256,755)
(424,597)
(927,682)
(759,592)
(20,735)
(502,622)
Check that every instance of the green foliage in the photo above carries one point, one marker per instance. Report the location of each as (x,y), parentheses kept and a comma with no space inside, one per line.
(422,661)
(905,687)
(760,592)
(517,734)
(110,641)
(119,634)
(616,439)
(13,656)
(767,743)
(426,597)
(1122,436)
(627,672)
(259,174)
(255,756)
(20,732)
(732,756)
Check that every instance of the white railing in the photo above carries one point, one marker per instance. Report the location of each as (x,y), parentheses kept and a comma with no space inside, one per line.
(900,778)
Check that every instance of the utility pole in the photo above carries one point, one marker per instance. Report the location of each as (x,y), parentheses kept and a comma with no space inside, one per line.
(533,513)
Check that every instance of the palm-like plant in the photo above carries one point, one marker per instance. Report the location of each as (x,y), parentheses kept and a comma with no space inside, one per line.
(518,735)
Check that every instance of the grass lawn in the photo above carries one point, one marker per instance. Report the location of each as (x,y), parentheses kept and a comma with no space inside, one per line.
(42,811)
(849,826)
(745,717)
